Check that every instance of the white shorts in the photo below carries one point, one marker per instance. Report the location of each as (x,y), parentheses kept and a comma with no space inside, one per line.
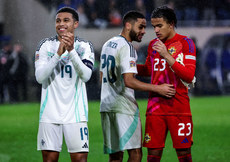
(121,132)
(50,137)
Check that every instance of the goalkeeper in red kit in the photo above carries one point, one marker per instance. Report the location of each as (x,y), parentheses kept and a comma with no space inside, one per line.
(171,59)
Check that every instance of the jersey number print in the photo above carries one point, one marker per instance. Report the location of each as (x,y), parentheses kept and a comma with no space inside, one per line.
(66,69)
(159,64)
(109,64)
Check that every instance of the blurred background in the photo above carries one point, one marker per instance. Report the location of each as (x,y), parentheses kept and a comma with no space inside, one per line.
(24,23)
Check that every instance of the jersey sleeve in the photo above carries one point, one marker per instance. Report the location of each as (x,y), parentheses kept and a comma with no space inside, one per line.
(86,52)
(128,58)
(186,69)
(145,69)
(44,66)
(82,58)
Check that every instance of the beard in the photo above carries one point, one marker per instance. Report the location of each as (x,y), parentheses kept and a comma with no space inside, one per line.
(133,35)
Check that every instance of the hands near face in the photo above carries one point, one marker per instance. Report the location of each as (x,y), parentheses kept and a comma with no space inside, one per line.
(66,43)
(160,47)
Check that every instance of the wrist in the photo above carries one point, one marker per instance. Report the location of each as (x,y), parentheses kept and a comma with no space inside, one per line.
(70,49)
(170,60)
(155,88)
(57,56)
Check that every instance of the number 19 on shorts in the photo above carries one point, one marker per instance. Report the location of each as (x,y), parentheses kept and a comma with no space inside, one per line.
(84,133)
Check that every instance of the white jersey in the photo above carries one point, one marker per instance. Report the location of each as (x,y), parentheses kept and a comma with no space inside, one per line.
(118,56)
(64,98)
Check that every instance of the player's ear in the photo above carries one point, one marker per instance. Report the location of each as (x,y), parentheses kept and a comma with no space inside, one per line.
(75,24)
(128,26)
(171,25)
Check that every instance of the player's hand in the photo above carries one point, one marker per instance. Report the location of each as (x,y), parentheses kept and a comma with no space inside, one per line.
(68,40)
(61,48)
(160,47)
(166,90)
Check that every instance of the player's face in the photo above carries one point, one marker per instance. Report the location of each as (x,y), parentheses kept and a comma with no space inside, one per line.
(65,23)
(138,30)
(163,30)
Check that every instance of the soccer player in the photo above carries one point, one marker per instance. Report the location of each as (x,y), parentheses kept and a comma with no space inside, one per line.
(171,59)
(120,116)
(63,64)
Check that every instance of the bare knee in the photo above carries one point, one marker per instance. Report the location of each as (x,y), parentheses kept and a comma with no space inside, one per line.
(155,151)
(79,157)
(50,156)
(183,151)
(116,157)
(135,155)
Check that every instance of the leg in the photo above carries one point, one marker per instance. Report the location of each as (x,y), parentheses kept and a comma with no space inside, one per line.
(50,156)
(184,155)
(49,141)
(181,129)
(116,157)
(79,157)
(76,138)
(155,135)
(135,155)
(154,155)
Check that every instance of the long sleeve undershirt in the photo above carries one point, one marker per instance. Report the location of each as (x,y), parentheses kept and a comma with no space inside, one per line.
(44,71)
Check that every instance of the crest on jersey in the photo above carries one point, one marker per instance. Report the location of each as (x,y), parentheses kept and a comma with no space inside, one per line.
(172,50)
(147,138)
(132,64)
(80,50)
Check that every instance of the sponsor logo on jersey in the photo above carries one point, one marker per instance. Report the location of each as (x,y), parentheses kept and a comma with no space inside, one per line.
(147,138)
(132,64)
(185,140)
(65,57)
(50,54)
(85,146)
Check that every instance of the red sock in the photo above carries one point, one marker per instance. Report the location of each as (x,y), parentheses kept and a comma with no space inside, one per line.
(153,158)
(185,158)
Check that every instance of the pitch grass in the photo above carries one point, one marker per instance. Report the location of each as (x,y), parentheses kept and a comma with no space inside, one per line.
(211,116)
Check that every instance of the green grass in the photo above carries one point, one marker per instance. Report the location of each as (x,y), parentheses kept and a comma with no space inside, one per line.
(211,117)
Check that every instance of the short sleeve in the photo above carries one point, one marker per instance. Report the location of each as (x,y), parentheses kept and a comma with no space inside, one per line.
(128,57)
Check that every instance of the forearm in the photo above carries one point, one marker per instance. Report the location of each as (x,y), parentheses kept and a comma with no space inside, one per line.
(83,71)
(44,70)
(186,73)
(132,82)
(169,59)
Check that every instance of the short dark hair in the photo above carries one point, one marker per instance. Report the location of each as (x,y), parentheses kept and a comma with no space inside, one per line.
(69,10)
(166,13)
(132,16)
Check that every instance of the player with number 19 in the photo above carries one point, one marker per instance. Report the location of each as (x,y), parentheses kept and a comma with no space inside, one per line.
(63,64)
(120,116)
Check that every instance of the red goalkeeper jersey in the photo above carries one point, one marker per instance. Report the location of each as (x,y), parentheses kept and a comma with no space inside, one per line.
(181,72)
